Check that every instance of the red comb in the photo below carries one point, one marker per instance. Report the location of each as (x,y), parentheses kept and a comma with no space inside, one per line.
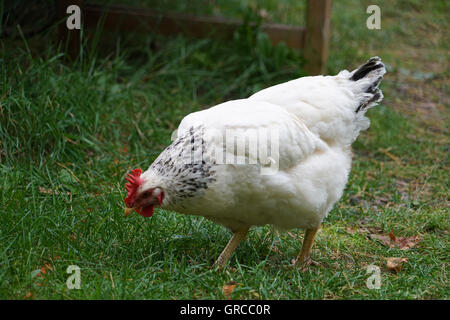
(134,181)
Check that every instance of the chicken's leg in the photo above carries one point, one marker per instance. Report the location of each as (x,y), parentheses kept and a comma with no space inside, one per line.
(304,256)
(237,237)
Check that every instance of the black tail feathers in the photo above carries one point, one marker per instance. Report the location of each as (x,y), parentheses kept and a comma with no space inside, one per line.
(371,65)
(368,76)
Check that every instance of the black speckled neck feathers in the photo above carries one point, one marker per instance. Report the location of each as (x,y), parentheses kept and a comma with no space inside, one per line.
(183,167)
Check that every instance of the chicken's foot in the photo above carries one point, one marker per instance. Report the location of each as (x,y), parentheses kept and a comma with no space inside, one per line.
(303,258)
(237,237)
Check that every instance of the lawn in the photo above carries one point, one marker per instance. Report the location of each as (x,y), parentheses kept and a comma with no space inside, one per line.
(70,131)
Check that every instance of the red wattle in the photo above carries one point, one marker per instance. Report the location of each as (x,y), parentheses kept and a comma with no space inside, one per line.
(146,211)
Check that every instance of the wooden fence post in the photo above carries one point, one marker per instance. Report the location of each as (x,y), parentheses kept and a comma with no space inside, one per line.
(318,16)
(69,39)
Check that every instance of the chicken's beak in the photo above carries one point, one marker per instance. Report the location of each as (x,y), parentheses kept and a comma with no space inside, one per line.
(129,211)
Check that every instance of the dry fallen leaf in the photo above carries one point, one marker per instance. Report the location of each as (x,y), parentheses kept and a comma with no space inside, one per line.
(228,288)
(385,239)
(395,264)
(407,243)
(42,271)
(389,240)
(392,236)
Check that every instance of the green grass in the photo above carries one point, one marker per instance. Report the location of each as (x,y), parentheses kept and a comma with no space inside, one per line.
(71,131)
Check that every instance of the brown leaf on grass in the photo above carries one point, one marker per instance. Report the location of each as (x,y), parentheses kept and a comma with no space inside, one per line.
(395,264)
(42,271)
(370,230)
(402,243)
(407,243)
(228,288)
(389,240)
(392,236)
(382,201)
(384,239)
(364,230)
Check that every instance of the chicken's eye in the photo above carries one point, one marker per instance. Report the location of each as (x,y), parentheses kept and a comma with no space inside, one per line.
(146,194)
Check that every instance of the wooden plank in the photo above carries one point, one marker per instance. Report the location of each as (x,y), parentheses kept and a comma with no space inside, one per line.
(318,18)
(70,40)
(146,20)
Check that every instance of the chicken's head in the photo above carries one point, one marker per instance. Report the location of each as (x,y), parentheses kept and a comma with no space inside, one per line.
(141,196)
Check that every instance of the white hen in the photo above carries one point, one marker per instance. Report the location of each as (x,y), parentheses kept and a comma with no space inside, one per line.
(280,157)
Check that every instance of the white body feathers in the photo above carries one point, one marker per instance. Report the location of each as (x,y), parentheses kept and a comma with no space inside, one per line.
(316,118)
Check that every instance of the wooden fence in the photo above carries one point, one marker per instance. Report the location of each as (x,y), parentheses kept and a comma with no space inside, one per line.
(313,38)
